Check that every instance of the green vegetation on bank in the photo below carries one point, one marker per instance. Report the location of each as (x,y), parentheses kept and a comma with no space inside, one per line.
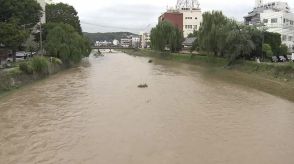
(165,35)
(17,18)
(276,71)
(222,37)
(62,38)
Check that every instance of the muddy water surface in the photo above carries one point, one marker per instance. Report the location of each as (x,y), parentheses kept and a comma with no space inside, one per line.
(96,114)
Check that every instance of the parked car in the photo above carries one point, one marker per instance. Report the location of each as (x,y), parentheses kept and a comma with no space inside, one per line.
(282,59)
(289,57)
(20,56)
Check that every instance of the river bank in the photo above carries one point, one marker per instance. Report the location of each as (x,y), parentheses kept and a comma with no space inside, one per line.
(23,74)
(276,79)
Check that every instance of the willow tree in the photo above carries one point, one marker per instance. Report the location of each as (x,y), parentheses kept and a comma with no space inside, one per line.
(239,42)
(64,42)
(63,13)
(166,35)
(212,31)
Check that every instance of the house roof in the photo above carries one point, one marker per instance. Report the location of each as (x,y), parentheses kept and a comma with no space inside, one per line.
(189,41)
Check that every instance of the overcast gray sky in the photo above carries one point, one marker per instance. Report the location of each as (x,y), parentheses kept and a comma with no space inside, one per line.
(140,15)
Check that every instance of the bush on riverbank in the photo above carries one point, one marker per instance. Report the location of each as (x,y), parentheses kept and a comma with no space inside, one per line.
(29,71)
(40,65)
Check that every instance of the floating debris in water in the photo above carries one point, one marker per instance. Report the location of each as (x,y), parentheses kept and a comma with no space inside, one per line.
(150,61)
(143,86)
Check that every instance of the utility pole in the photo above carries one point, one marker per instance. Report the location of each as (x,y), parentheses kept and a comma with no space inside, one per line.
(41,39)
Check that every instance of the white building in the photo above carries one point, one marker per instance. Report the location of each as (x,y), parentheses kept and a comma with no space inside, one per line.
(136,42)
(43,5)
(126,42)
(192,15)
(275,17)
(145,40)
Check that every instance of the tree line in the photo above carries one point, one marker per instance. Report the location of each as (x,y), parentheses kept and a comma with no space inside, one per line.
(61,34)
(221,36)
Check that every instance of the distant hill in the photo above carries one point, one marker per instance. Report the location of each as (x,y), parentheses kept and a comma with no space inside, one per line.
(109,36)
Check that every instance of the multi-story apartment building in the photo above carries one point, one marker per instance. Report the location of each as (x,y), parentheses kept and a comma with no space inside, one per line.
(126,42)
(187,16)
(274,17)
(145,40)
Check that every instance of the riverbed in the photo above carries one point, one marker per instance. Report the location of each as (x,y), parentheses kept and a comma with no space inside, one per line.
(97,114)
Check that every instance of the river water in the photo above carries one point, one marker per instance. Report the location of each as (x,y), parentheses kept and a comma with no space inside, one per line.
(97,115)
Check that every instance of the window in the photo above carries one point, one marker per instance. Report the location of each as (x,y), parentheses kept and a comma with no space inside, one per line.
(284,38)
(188,26)
(196,18)
(195,27)
(290,38)
(274,20)
(265,21)
(291,22)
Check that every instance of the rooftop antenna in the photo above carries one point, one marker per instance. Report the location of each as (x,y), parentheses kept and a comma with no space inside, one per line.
(187,4)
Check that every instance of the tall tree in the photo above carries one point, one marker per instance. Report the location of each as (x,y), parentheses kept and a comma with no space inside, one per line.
(65,43)
(63,13)
(15,17)
(274,40)
(166,35)
(212,31)
(12,36)
(239,43)
(25,12)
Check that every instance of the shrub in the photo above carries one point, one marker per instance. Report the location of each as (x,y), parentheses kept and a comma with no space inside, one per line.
(26,68)
(40,65)
(56,61)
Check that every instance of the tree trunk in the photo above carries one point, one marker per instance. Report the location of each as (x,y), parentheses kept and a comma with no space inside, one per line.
(14,55)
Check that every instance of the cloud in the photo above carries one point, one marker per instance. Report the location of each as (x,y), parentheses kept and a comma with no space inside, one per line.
(139,15)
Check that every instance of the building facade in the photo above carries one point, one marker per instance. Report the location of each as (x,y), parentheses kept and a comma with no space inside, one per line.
(192,18)
(145,40)
(187,16)
(126,42)
(43,5)
(274,17)
(174,17)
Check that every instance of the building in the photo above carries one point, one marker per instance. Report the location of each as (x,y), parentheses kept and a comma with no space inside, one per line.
(188,42)
(174,17)
(187,16)
(145,40)
(126,42)
(43,5)
(102,43)
(274,17)
(136,42)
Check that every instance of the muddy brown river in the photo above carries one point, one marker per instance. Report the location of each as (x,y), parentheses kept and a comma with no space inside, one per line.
(97,115)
